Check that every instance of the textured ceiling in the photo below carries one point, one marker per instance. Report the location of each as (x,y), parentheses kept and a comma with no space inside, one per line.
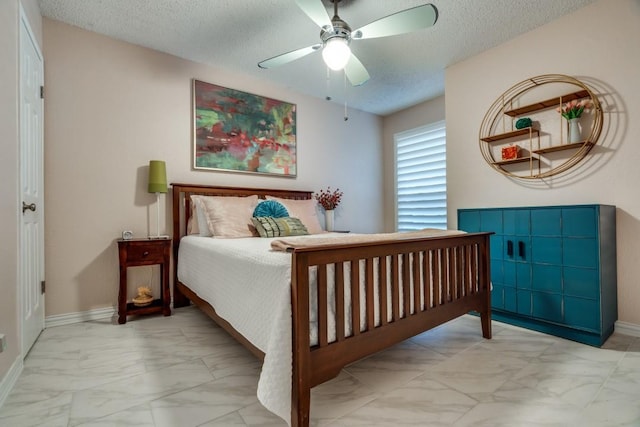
(237,34)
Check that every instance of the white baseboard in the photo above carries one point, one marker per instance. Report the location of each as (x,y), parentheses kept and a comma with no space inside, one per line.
(82,316)
(10,379)
(626,328)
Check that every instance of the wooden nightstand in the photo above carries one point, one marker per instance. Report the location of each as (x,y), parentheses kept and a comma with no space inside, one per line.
(138,252)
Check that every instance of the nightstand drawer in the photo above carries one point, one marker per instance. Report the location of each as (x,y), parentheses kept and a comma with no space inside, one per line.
(144,252)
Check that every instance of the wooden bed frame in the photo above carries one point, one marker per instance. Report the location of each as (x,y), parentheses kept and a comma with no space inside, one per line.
(451,273)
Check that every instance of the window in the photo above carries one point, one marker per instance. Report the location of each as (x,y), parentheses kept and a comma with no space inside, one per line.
(421,182)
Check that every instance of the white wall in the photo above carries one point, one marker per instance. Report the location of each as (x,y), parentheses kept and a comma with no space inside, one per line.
(8,180)
(597,44)
(111,107)
(9,200)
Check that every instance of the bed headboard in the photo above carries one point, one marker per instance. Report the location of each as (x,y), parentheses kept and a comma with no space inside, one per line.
(182,207)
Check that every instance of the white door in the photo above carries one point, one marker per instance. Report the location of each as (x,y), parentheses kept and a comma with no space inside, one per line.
(31,256)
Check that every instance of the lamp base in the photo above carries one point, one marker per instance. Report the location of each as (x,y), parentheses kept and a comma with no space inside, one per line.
(158,236)
(164,237)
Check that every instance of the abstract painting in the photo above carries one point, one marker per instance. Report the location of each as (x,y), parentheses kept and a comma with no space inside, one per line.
(241,132)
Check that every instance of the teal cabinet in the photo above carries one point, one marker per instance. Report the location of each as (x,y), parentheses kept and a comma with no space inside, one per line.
(553,268)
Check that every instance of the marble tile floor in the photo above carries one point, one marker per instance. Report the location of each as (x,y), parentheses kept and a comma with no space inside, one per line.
(184,371)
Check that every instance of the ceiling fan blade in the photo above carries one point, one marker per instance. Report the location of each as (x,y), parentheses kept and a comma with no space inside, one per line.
(276,61)
(355,71)
(316,11)
(402,22)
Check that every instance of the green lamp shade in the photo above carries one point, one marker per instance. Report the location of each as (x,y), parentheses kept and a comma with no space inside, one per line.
(157,176)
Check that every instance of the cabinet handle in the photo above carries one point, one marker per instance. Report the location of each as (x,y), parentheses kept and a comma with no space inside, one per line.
(145,253)
(521,249)
(509,248)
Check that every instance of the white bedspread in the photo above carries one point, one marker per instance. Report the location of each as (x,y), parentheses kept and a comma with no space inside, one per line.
(249,285)
(225,272)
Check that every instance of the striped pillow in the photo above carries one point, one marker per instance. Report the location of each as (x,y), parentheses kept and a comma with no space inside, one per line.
(268,226)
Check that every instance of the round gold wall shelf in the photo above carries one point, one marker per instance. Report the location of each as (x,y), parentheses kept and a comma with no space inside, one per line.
(535,160)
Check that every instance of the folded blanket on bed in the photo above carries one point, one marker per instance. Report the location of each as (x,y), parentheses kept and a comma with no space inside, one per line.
(294,242)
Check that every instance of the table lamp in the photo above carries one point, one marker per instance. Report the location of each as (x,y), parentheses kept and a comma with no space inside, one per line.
(157,184)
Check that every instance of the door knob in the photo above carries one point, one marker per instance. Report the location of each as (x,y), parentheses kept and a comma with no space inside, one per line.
(31,207)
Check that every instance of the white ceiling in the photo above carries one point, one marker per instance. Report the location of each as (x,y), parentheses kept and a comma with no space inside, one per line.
(237,34)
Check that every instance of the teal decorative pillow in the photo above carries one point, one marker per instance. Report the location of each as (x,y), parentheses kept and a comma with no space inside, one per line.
(268,226)
(270,208)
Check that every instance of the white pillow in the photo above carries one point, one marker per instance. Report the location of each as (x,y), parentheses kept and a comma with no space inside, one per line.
(229,216)
(305,210)
(199,217)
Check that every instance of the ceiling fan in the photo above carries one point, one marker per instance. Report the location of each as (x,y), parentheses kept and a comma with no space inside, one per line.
(336,36)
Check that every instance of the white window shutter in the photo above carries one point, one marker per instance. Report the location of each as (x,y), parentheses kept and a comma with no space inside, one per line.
(421,178)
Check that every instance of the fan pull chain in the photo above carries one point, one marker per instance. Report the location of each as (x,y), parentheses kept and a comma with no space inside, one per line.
(344,81)
(328,96)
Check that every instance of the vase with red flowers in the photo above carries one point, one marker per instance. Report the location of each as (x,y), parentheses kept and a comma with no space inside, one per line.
(329,200)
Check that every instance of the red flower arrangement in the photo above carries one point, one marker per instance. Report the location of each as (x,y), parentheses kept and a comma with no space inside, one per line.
(328,199)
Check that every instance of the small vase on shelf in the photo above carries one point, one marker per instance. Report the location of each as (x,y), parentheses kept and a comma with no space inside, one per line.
(574,130)
(328,219)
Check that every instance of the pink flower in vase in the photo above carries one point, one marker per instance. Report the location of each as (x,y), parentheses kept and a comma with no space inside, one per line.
(574,109)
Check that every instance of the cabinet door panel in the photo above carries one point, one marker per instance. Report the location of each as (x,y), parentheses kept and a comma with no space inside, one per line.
(580,252)
(491,220)
(546,222)
(517,222)
(523,275)
(546,250)
(497,273)
(469,221)
(547,306)
(581,282)
(510,300)
(510,277)
(583,313)
(579,222)
(525,303)
(497,297)
(496,246)
(546,277)
(517,274)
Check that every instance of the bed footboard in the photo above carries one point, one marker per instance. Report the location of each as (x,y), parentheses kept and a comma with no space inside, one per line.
(389,290)
(419,283)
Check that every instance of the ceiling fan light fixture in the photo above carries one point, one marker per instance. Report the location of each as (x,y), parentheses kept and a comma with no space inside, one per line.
(336,36)
(336,53)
